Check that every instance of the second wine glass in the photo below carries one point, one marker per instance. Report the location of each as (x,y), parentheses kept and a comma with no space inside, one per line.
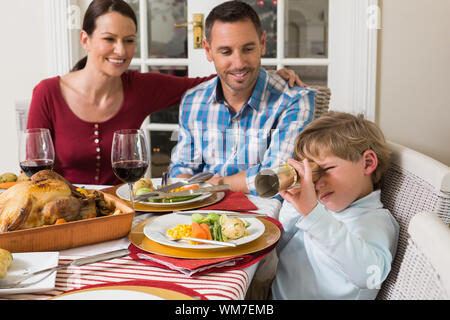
(129,157)
(36,151)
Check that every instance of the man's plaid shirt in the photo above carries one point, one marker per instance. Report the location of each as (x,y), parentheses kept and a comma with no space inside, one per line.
(261,135)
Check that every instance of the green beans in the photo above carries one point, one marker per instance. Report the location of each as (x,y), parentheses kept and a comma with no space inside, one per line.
(179,199)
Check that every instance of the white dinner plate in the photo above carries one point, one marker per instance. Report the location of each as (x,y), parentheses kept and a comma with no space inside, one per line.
(156,230)
(124,193)
(24,263)
(121,291)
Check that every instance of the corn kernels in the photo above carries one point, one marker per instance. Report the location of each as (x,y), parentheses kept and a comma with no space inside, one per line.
(180,231)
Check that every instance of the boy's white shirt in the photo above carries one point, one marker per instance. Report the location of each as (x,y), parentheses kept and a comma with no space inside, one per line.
(328,255)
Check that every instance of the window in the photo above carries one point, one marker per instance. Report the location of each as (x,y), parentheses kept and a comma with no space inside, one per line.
(327,42)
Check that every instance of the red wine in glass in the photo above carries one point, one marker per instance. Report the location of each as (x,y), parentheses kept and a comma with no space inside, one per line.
(129,157)
(130,171)
(30,167)
(36,151)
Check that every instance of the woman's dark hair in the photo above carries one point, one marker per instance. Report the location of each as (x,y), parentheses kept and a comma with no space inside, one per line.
(98,8)
(232,11)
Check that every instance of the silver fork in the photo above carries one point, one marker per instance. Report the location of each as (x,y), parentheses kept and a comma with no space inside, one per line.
(164,178)
(197,178)
(156,194)
(220,243)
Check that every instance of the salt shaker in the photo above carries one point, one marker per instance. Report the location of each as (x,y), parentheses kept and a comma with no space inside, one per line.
(269,182)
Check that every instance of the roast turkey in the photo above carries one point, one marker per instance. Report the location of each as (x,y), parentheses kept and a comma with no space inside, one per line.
(45,198)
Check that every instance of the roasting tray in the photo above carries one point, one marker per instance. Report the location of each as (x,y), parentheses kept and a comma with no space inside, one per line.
(71,234)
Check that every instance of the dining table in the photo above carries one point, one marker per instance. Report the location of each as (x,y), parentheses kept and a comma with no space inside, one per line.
(136,273)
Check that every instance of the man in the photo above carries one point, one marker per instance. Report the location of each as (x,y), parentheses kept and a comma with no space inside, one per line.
(245,119)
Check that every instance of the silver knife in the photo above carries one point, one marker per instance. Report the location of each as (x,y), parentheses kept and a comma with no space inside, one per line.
(162,189)
(192,192)
(220,243)
(171,186)
(196,178)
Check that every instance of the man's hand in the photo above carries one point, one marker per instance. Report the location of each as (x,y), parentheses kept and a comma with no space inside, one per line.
(184,176)
(215,180)
(237,181)
(302,198)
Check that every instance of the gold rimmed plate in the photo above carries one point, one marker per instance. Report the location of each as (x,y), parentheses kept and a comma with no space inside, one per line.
(143,207)
(123,192)
(270,236)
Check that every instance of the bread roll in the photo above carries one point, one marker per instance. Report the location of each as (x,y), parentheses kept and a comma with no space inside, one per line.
(5,261)
(8,177)
(143,183)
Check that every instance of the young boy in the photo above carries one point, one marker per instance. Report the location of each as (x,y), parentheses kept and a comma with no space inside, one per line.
(339,241)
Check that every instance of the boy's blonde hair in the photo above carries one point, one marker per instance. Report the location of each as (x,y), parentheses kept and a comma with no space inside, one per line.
(345,136)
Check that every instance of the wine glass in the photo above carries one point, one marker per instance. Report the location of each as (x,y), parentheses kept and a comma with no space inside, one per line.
(36,151)
(129,157)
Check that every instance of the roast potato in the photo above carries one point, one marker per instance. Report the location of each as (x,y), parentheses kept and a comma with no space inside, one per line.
(233,228)
(143,183)
(8,177)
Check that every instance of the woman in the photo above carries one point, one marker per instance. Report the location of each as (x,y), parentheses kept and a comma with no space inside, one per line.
(83,108)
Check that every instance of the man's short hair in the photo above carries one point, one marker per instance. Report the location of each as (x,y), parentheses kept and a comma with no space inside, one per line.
(232,11)
(346,136)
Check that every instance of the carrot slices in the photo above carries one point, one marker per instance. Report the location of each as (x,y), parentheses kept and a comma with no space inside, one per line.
(7,185)
(198,232)
(60,221)
(195,186)
(207,231)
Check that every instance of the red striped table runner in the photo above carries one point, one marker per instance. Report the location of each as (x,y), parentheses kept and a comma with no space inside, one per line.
(229,285)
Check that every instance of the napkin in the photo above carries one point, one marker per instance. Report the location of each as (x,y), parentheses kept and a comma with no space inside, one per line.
(233,201)
(196,267)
